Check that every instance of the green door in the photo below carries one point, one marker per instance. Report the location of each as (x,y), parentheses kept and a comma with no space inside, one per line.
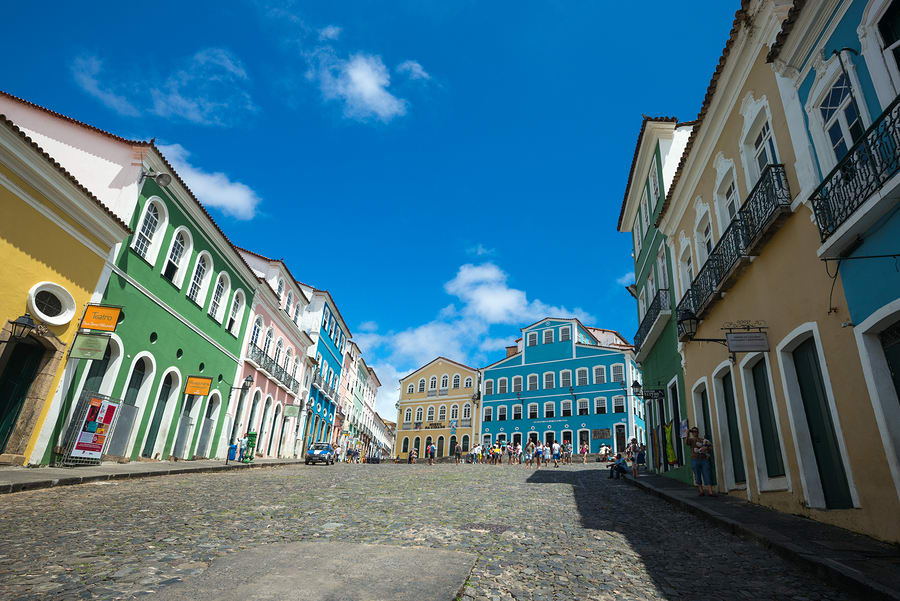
(707,432)
(768,428)
(821,427)
(734,434)
(890,342)
(160,409)
(24,359)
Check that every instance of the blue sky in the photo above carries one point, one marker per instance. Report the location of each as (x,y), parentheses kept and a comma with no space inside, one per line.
(451,171)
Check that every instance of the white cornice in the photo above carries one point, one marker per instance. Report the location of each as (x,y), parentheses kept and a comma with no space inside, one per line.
(654,131)
(806,34)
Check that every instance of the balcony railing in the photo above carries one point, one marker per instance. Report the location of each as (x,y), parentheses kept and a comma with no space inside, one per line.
(660,303)
(443,392)
(869,163)
(407,426)
(769,200)
(432,392)
(317,381)
(465,423)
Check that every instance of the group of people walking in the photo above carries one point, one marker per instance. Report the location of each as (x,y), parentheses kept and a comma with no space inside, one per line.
(535,454)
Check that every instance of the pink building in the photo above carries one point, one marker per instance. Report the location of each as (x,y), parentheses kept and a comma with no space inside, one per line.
(275,357)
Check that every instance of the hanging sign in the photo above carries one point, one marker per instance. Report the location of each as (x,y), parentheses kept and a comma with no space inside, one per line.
(100,317)
(601,434)
(291,410)
(653,394)
(197,385)
(95,428)
(89,346)
(747,342)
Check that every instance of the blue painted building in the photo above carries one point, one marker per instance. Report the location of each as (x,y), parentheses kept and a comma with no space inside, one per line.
(563,381)
(839,64)
(330,334)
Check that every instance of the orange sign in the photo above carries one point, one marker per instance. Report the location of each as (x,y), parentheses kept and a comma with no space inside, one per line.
(97,317)
(197,385)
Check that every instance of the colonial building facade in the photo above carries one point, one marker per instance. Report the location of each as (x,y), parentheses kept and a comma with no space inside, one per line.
(563,382)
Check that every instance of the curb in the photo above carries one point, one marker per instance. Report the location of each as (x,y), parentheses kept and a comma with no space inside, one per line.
(73,480)
(831,571)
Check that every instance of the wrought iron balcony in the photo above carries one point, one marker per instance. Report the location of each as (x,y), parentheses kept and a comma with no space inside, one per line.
(443,392)
(407,426)
(317,381)
(863,171)
(432,392)
(660,304)
(761,212)
(465,423)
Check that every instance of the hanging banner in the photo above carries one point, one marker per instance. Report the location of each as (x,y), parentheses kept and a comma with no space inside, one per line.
(95,428)
(197,386)
(88,346)
(100,317)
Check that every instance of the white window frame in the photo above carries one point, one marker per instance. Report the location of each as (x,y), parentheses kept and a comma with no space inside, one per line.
(204,284)
(454,411)
(455,382)
(239,301)
(601,369)
(468,383)
(532,339)
(537,380)
(432,383)
(612,372)
(420,414)
(518,407)
(562,376)
(637,236)
(578,373)
(218,313)
(178,278)
(517,380)
(488,387)
(587,406)
(616,400)
(155,242)
(411,388)
(488,414)
(422,384)
(537,410)
(502,385)
(552,378)
(645,212)
(564,405)
(429,413)
(505,413)
(600,402)
(544,336)
(552,407)
(565,334)
(653,182)
(466,411)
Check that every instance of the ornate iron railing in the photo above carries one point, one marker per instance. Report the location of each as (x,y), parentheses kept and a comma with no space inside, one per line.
(465,423)
(769,196)
(432,392)
(865,168)
(660,303)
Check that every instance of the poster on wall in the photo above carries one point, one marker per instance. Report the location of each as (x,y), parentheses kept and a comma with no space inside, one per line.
(95,428)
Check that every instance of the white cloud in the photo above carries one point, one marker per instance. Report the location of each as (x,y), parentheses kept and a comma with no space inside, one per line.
(626,279)
(208,89)
(332,32)
(495,344)
(213,189)
(361,83)
(368,326)
(413,70)
(480,250)
(85,69)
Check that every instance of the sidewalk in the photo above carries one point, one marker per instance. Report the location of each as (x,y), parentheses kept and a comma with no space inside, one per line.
(15,478)
(844,558)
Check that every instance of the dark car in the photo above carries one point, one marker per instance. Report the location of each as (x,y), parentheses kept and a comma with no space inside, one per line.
(320,452)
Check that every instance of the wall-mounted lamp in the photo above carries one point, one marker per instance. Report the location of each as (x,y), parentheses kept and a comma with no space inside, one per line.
(22,326)
(162,179)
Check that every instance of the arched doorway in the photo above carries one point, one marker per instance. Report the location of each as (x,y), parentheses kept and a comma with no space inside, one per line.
(533,437)
(264,428)
(23,359)
(251,423)
(517,438)
(465,443)
(209,425)
(272,430)
(549,437)
(184,428)
(584,439)
(417,445)
(162,399)
(567,436)
(620,438)
(451,450)
(440,446)
(238,416)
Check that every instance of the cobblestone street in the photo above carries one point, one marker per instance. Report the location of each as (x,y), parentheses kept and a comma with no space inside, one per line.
(558,534)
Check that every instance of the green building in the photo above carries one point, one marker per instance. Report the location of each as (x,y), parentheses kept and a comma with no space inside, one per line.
(184,290)
(660,144)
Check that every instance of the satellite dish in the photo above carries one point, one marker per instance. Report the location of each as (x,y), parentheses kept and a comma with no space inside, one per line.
(163,179)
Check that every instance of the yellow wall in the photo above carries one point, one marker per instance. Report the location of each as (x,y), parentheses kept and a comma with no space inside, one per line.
(786,285)
(34,249)
(437,368)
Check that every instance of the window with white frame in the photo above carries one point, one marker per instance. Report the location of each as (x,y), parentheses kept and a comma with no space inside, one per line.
(550,380)
(455,381)
(257,330)
(532,339)
(532,411)
(445,381)
(618,404)
(764,148)
(175,261)
(422,385)
(532,382)
(280,291)
(650,287)
(517,412)
(841,117)
(599,374)
(517,384)
(467,411)
(289,303)
(279,349)
(565,334)
(407,415)
(442,413)
(237,311)
(501,385)
(618,373)
(728,198)
(645,212)
(653,181)
(549,409)
(581,376)
(501,413)
(419,414)
(687,270)
(642,305)
(565,378)
(637,237)
(488,414)
(488,387)
(468,383)
(548,336)
(198,280)
(704,238)
(454,411)
(432,383)
(583,408)
(267,343)
(410,389)
(220,291)
(662,274)
(600,405)
(147,233)
(430,414)
(566,410)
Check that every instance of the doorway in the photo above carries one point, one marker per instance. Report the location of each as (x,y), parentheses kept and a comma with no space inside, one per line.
(584,439)
(548,438)
(24,359)
(440,446)
(734,433)
(517,438)
(707,432)
(164,392)
(533,437)
(567,437)
(620,438)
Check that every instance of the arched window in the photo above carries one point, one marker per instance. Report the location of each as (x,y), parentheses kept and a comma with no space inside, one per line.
(517,412)
(407,415)
(442,413)
(467,411)
(599,374)
(297,312)
(454,411)
(488,387)
(419,414)
(501,413)
(703,236)
(465,443)
(410,389)
(501,386)
(445,381)
(422,385)
(517,384)
(432,383)
(279,348)
(405,445)
(455,381)
(467,383)
(134,382)
(430,414)
(280,291)
(581,375)
(216,306)
(532,382)
(488,414)
(289,303)
(197,282)
(237,310)
(565,378)
(549,380)
(268,341)
(532,411)
(176,255)
(147,233)
(257,330)
(686,267)
(287,359)
(549,409)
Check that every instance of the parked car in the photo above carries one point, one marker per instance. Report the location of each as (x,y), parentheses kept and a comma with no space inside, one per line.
(320,452)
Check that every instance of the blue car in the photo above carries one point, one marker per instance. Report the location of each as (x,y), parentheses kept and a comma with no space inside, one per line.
(320,452)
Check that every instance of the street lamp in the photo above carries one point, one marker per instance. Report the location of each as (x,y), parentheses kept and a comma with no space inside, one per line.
(636,388)
(572,391)
(688,323)
(245,385)
(22,326)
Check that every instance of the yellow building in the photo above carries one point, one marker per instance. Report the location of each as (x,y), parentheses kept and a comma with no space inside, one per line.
(790,425)
(438,403)
(55,238)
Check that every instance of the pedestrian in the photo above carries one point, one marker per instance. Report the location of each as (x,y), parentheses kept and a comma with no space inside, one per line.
(458,452)
(631,452)
(243,443)
(529,453)
(642,457)
(700,462)
(584,452)
(556,450)
(619,467)
(539,454)
(415,455)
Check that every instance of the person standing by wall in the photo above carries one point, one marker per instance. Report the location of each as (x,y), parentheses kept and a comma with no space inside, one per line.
(700,462)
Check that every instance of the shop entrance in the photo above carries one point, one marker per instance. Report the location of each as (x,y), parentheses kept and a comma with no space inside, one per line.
(22,359)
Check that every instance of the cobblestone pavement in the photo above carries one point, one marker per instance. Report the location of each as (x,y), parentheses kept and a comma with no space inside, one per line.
(555,534)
